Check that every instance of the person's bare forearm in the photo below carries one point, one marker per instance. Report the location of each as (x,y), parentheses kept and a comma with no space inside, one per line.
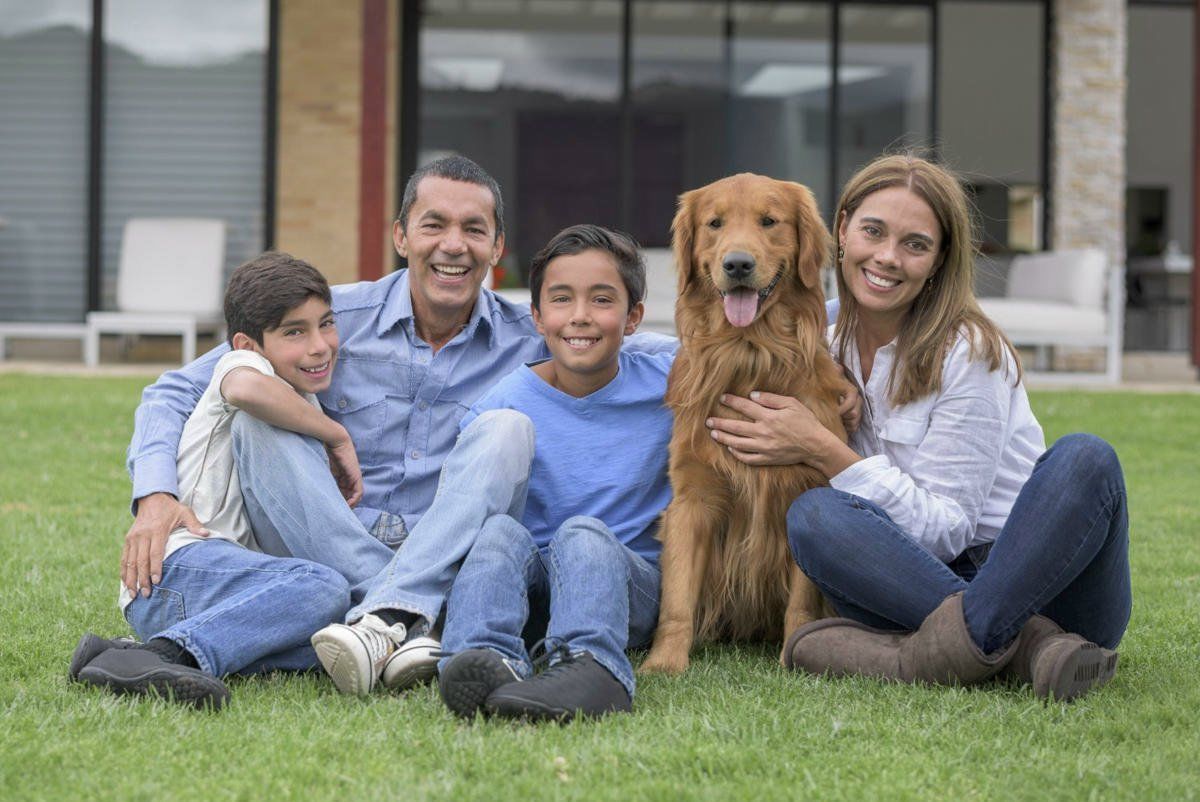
(272,401)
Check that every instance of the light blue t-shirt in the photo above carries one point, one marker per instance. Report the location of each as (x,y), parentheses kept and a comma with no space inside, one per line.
(603,455)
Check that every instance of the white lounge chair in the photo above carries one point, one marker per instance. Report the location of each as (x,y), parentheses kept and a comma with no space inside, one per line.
(168,282)
(1063,298)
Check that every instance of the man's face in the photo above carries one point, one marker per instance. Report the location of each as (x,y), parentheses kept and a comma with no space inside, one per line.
(450,242)
(303,347)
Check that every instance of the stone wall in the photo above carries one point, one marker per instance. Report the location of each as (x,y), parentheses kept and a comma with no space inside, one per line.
(1088,191)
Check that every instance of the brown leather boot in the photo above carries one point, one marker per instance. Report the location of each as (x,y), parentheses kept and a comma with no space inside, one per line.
(1059,665)
(940,651)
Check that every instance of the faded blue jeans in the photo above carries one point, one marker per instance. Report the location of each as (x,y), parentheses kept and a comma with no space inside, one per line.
(240,611)
(1063,553)
(585,591)
(486,473)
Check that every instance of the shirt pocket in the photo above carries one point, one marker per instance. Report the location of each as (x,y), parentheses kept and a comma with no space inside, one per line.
(355,400)
(907,425)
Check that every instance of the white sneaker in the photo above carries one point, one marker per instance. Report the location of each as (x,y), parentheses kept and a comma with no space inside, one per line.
(413,662)
(354,654)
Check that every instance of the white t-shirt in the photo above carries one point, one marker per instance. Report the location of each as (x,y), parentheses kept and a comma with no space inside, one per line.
(208,474)
(946,468)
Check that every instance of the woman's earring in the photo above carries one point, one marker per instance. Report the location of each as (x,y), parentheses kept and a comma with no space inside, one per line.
(841,253)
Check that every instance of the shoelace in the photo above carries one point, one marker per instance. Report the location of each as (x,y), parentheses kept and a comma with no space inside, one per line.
(543,652)
(382,641)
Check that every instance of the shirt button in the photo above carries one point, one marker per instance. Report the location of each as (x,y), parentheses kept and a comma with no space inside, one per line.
(422,406)
(416,455)
(341,403)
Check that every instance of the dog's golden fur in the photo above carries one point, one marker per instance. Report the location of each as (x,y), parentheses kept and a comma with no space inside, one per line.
(727,570)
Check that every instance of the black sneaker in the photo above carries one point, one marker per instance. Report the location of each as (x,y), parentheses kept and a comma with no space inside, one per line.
(143,672)
(91,645)
(470,677)
(575,686)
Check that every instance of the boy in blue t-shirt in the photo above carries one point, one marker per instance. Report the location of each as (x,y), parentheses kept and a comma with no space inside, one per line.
(581,566)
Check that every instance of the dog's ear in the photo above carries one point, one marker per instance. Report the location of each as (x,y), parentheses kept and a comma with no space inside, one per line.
(814,245)
(683,232)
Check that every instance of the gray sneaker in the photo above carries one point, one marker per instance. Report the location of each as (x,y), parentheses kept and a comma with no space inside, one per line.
(91,645)
(470,677)
(141,672)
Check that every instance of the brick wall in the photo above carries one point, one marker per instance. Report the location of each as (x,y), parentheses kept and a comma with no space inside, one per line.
(320,116)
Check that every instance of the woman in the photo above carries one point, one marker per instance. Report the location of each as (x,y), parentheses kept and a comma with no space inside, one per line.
(953,543)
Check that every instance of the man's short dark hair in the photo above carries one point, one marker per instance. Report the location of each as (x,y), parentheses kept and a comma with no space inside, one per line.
(454,168)
(585,237)
(262,291)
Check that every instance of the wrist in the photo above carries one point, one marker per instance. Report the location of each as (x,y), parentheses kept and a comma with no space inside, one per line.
(337,436)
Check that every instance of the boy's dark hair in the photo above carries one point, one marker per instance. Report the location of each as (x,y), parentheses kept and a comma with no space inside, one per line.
(585,237)
(263,290)
(454,168)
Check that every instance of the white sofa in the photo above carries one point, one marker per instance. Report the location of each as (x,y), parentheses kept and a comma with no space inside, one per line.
(1063,298)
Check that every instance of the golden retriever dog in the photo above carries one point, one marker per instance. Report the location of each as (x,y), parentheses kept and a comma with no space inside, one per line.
(751,316)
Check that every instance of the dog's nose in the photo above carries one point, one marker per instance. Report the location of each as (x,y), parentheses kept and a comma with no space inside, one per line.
(738,265)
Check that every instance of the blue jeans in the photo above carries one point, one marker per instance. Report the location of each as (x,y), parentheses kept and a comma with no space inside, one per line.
(239,611)
(294,505)
(295,509)
(486,474)
(586,591)
(1063,553)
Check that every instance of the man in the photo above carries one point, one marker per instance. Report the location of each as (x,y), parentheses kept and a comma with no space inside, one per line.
(418,347)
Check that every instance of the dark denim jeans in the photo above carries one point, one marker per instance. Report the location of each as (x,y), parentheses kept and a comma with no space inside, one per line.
(1064,553)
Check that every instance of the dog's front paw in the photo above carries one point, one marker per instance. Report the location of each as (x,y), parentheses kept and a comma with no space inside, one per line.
(662,661)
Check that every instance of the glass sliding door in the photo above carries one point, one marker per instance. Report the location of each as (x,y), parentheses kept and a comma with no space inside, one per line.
(884,82)
(184,122)
(44,55)
(991,86)
(530,91)
(721,88)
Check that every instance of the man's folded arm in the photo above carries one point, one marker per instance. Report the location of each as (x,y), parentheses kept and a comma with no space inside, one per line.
(158,425)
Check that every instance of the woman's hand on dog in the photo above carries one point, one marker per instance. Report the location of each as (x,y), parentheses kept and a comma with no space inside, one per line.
(780,431)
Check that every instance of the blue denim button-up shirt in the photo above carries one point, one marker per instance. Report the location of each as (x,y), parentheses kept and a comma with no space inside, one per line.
(400,402)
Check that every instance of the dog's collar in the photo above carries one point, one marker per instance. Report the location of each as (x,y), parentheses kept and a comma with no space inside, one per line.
(767,290)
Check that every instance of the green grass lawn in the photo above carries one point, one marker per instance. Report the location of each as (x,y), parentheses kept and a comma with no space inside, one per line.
(734,727)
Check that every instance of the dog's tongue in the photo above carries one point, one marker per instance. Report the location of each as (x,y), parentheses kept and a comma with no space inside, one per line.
(741,305)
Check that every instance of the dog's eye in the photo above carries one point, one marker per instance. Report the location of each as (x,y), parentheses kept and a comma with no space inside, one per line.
(767,222)
(714,223)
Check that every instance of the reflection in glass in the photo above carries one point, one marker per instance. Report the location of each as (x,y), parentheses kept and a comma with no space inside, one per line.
(724,88)
(43,159)
(992,135)
(530,91)
(883,82)
(184,121)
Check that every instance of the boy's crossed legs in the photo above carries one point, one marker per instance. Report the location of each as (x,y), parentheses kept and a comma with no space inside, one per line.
(486,473)
(600,597)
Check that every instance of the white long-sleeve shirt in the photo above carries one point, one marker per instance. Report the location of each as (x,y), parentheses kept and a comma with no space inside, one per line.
(948,467)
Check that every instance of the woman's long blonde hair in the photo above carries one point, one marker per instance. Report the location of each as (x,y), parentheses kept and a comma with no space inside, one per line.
(947,303)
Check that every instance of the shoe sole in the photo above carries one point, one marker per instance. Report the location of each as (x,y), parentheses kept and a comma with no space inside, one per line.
(527,710)
(1078,671)
(337,652)
(190,688)
(411,664)
(468,681)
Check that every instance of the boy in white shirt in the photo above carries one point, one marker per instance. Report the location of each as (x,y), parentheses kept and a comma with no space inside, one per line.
(222,606)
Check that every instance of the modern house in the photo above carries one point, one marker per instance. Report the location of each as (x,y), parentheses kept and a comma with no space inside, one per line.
(296,122)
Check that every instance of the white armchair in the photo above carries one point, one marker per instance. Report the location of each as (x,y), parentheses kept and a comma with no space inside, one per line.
(1063,298)
(168,282)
